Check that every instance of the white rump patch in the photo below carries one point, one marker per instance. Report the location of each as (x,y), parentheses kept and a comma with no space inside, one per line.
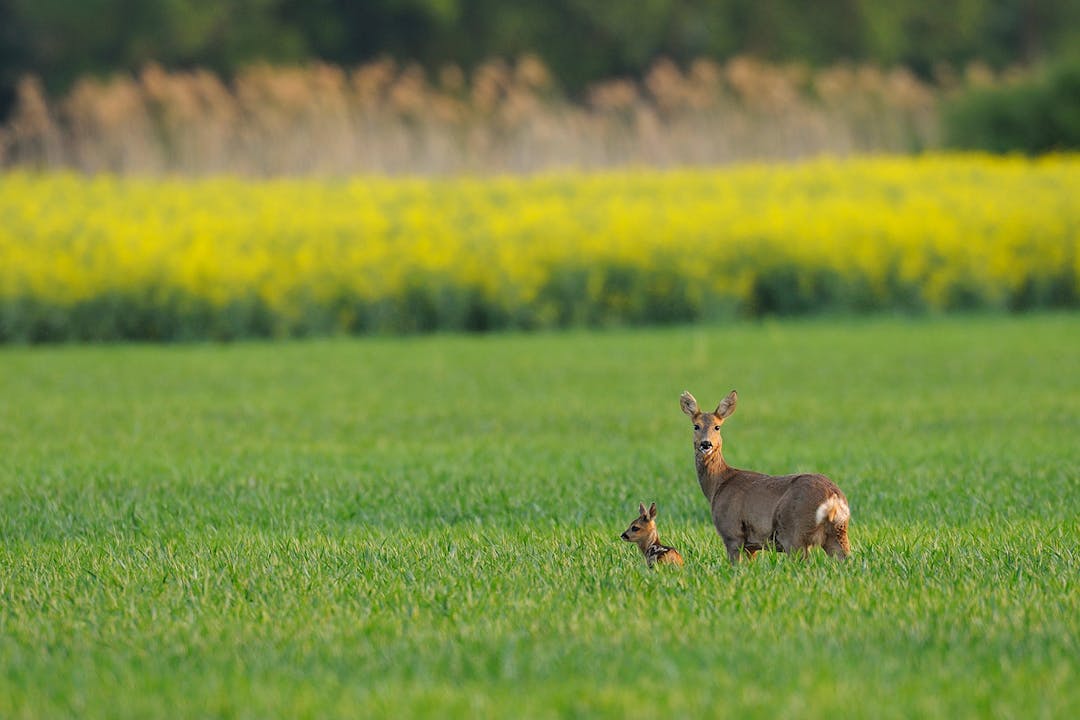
(835,506)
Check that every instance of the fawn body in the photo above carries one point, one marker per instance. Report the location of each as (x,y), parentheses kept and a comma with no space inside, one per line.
(643,532)
(752,510)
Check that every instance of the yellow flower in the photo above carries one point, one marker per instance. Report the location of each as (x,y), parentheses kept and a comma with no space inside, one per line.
(933,231)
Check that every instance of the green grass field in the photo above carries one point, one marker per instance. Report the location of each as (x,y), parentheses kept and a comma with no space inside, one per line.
(430,526)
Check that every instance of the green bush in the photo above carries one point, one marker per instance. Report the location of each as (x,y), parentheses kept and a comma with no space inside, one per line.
(1037,116)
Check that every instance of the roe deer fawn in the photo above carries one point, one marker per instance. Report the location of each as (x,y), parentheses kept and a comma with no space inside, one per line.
(751,509)
(643,532)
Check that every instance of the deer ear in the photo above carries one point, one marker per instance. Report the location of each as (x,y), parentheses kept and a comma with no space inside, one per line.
(727,405)
(689,404)
(641,509)
(652,511)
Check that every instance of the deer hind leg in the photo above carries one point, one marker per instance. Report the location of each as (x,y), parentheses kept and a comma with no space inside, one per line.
(734,549)
(799,550)
(795,539)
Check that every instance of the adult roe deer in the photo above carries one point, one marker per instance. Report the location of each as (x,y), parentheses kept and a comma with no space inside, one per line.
(643,532)
(750,509)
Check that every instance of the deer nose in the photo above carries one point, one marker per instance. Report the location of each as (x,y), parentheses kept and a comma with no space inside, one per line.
(623,536)
(705,444)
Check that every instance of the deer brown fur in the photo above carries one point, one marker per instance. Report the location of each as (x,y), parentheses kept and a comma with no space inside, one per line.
(751,510)
(643,532)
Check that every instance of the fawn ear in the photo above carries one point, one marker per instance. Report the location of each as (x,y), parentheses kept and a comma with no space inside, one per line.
(641,509)
(689,404)
(727,405)
(652,511)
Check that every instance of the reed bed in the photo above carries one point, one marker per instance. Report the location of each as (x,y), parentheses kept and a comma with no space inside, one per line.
(503,117)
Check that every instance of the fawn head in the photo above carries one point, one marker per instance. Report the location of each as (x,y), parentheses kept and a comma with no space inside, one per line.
(707,438)
(644,528)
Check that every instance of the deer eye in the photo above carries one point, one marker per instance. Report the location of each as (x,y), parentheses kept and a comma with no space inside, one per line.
(635,528)
(696,426)
(717,427)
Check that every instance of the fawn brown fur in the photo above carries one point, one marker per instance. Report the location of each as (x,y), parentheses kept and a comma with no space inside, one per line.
(751,510)
(643,532)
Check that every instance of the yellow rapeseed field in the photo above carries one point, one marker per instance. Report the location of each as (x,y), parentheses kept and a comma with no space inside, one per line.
(109,257)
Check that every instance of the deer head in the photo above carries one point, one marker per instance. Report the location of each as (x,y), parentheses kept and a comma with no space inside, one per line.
(643,530)
(707,438)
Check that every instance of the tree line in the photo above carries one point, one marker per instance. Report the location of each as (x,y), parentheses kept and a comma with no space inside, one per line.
(580,40)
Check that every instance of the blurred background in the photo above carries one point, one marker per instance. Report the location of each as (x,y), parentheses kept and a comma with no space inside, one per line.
(192,169)
(446,86)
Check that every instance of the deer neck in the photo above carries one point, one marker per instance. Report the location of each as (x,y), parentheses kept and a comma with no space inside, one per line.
(648,541)
(712,472)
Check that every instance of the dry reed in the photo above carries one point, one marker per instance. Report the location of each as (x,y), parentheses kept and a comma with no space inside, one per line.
(504,117)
